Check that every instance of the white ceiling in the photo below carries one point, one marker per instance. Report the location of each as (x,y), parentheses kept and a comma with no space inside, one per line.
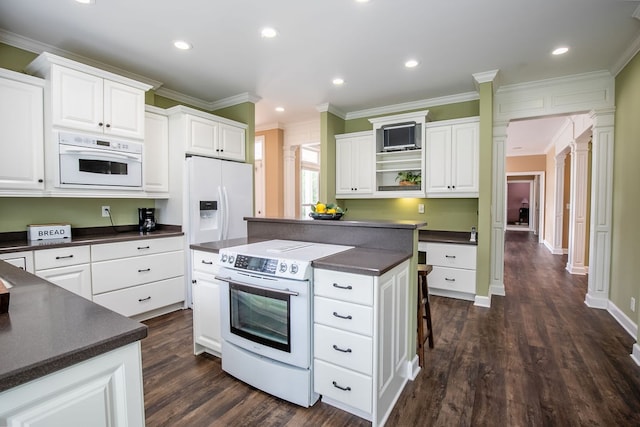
(364,43)
(532,137)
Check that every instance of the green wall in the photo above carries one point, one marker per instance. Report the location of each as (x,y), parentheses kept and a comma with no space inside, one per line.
(625,245)
(330,126)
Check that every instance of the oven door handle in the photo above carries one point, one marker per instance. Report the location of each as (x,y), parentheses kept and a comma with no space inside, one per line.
(99,153)
(263,288)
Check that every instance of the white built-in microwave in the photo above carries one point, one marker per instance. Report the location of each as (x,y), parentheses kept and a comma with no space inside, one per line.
(95,161)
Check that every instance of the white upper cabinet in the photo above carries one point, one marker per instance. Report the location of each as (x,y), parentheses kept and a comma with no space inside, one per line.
(452,158)
(156,152)
(89,99)
(21,133)
(354,164)
(204,134)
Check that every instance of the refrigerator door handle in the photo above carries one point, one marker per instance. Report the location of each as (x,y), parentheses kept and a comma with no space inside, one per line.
(226,212)
(221,210)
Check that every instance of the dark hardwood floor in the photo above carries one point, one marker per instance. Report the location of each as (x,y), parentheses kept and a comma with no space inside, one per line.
(537,357)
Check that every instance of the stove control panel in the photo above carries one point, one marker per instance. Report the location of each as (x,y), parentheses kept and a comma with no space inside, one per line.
(271,266)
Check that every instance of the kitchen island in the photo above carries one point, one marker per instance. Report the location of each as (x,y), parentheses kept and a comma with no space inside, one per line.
(65,360)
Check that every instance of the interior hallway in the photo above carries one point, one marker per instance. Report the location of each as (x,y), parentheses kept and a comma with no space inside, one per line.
(538,356)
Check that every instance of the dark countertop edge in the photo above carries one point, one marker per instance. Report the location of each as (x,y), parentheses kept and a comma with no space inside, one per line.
(17,241)
(45,367)
(215,246)
(369,262)
(437,236)
(342,223)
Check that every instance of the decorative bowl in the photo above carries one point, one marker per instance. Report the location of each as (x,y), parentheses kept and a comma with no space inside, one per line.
(335,216)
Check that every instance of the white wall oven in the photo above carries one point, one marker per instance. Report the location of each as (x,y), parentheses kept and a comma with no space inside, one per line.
(266,309)
(93,161)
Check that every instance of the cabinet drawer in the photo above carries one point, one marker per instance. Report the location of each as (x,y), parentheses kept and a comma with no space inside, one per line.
(348,387)
(106,251)
(123,273)
(346,316)
(343,286)
(452,279)
(143,298)
(447,255)
(344,349)
(61,257)
(205,262)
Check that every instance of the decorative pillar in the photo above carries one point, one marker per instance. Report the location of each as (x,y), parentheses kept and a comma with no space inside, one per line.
(290,181)
(498,209)
(601,208)
(578,212)
(559,204)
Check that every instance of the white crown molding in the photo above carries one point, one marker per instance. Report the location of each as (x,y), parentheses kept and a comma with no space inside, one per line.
(234,100)
(269,126)
(414,105)
(554,139)
(20,77)
(177,96)
(628,54)
(486,77)
(38,47)
(556,81)
(326,107)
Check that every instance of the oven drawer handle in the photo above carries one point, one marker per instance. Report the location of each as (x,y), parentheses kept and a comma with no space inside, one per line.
(450,256)
(207,262)
(349,317)
(143,270)
(64,257)
(263,288)
(142,247)
(144,299)
(335,384)
(335,347)
(348,287)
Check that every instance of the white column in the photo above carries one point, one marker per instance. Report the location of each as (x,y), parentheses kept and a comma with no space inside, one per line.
(601,207)
(289,181)
(498,210)
(559,204)
(578,212)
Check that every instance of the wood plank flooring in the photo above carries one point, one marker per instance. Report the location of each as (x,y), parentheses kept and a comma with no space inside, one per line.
(537,357)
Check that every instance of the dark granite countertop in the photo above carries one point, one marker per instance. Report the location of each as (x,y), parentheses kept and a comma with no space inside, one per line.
(49,328)
(370,262)
(17,241)
(342,223)
(458,237)
(221,244)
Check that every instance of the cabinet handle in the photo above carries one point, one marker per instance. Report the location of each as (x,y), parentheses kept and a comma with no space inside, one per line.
(108,125)
(194,281)
(342,317)
(335,347)
(63,257)
(348,287)
(449,280)
(335,384)
(449,187)
(142,247)
(41,180)
(100,124)
(144,299)
(144,270)
(450,256)
(207,262)
(453,186)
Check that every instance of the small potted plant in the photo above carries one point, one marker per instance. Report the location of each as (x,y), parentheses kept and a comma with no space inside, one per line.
(409,178)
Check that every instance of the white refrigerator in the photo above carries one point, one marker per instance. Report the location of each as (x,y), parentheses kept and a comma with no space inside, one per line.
(219,194)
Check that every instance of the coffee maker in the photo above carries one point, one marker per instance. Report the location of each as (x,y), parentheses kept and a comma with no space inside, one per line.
(146,219)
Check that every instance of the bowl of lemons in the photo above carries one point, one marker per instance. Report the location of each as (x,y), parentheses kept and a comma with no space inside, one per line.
(329,211)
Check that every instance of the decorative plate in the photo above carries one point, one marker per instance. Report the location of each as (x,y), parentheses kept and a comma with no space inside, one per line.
(334,216)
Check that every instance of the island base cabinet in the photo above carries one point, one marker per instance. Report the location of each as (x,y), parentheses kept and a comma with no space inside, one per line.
(103,391)
(344,386)
(207,333)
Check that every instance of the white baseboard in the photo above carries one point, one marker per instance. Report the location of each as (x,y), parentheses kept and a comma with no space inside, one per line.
(635,355)
(629,325)
(481,301)
(550,248)
(579,271)
(497,290)
(594,302)
(413,368)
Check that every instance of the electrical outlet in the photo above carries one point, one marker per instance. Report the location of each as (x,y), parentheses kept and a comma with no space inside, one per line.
(633,304)
(420,208)
(105,211)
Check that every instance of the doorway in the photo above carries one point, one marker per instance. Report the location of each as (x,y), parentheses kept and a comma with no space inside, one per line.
(258,167)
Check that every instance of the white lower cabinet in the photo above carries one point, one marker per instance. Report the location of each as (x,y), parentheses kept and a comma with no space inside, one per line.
(207,335)
(23,260)
(361,360)
(103,391)
(454,269)
(140,278)
(68,268)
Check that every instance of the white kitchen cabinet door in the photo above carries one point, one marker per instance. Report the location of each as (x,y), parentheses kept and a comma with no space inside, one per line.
(465,152)
(354,164)
(231,143)
(21,136)
(75,278)
(202,136)
(123,112)
(207,334)
(155,163)
(77,99)
(438,159)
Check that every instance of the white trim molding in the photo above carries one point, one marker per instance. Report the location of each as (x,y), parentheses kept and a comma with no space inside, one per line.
(635,355)
(482,301)
(578,202)
(629,325)
(498,208)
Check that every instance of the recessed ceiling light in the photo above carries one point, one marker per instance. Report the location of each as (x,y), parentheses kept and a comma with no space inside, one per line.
(338,81)
(560,50)
(279,109)
(86,1)
(411,63)
(268,32)
(362,1)
(182,45)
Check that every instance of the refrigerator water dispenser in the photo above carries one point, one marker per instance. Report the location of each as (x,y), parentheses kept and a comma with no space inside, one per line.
(208,214)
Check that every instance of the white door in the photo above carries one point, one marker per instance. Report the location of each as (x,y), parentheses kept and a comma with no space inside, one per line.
(75,278)
(204,185)
(438,159)
(77,99)
(156,153)
(231,143)
(465,151)
(363,163)
(206,312)
(202,136)
(237,192)
(344,165)
(123,110)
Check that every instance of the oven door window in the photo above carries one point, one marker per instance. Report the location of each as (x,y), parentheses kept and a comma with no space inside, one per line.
(102,166)
(259,315)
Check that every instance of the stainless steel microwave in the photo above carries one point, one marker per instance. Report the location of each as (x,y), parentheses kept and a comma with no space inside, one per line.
(95,161)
